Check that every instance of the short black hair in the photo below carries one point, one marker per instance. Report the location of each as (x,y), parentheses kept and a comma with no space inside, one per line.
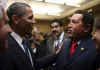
(97,24)
(87,18)
(61,23)
(17,9)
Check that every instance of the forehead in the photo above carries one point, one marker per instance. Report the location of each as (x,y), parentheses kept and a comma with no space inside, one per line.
(28,11)
(76,17)
(54,24)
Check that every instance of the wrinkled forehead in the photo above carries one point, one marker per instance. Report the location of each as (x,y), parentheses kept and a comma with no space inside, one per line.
(28,10)
(55,23)
(76,17)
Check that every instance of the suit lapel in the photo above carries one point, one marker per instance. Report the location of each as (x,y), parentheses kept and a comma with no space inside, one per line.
(79,50)
(64,54)
(16,44)
(65,37)
(19,51)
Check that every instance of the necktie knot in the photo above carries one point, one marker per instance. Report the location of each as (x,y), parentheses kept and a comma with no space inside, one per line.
(72,50)
(25,45)
(74,44)
(24,42)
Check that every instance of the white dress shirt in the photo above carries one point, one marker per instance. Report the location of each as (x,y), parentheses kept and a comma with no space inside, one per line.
(60,39)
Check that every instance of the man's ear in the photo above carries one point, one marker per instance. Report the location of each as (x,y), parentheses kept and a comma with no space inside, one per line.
(87,28)
(15,19)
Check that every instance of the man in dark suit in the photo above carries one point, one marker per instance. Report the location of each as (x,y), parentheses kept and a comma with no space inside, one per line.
(19,56)
(57,35)
(81,54)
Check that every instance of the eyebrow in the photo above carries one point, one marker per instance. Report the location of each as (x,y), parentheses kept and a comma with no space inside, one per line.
(55,26)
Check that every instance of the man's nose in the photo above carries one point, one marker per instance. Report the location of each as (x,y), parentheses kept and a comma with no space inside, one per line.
(69,25)
(54,29)
(33,21)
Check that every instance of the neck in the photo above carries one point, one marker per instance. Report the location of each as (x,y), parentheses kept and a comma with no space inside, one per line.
(19,32)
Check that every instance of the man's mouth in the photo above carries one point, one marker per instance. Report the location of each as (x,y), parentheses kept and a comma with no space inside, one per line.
(69,31)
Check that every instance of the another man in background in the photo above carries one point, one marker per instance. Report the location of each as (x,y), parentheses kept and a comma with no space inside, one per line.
(56,39)
(4,30)
(58,35)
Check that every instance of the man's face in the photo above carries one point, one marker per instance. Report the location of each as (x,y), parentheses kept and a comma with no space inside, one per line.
(25,23)
(96,37)
(75,27)
(56,28)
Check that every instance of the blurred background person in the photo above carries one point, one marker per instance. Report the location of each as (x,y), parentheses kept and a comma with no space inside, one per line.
(96,38)
(4,31)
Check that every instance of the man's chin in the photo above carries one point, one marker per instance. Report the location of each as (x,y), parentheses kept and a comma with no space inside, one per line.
(70,35)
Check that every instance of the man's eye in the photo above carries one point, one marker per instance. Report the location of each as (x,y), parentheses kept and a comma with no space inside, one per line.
(54,26)
(30,17)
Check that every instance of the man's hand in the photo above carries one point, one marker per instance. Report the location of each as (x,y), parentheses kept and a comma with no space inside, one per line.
(59,49)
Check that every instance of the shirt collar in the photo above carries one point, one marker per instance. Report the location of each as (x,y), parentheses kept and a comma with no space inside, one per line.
(16,37)
(61,36)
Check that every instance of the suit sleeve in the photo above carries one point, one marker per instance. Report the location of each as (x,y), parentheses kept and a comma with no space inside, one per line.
(45,61)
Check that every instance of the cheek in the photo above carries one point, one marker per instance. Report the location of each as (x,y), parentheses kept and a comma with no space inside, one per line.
(75,29)
(78,29)
(23,25)
(58,29)
(28,23)
(97,39)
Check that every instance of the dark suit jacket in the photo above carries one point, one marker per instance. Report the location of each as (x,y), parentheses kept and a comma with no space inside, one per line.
(3,60)
(82,59)
(97,61)
(17,59)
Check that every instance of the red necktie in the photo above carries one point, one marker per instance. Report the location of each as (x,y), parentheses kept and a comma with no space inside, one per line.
(72,50)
